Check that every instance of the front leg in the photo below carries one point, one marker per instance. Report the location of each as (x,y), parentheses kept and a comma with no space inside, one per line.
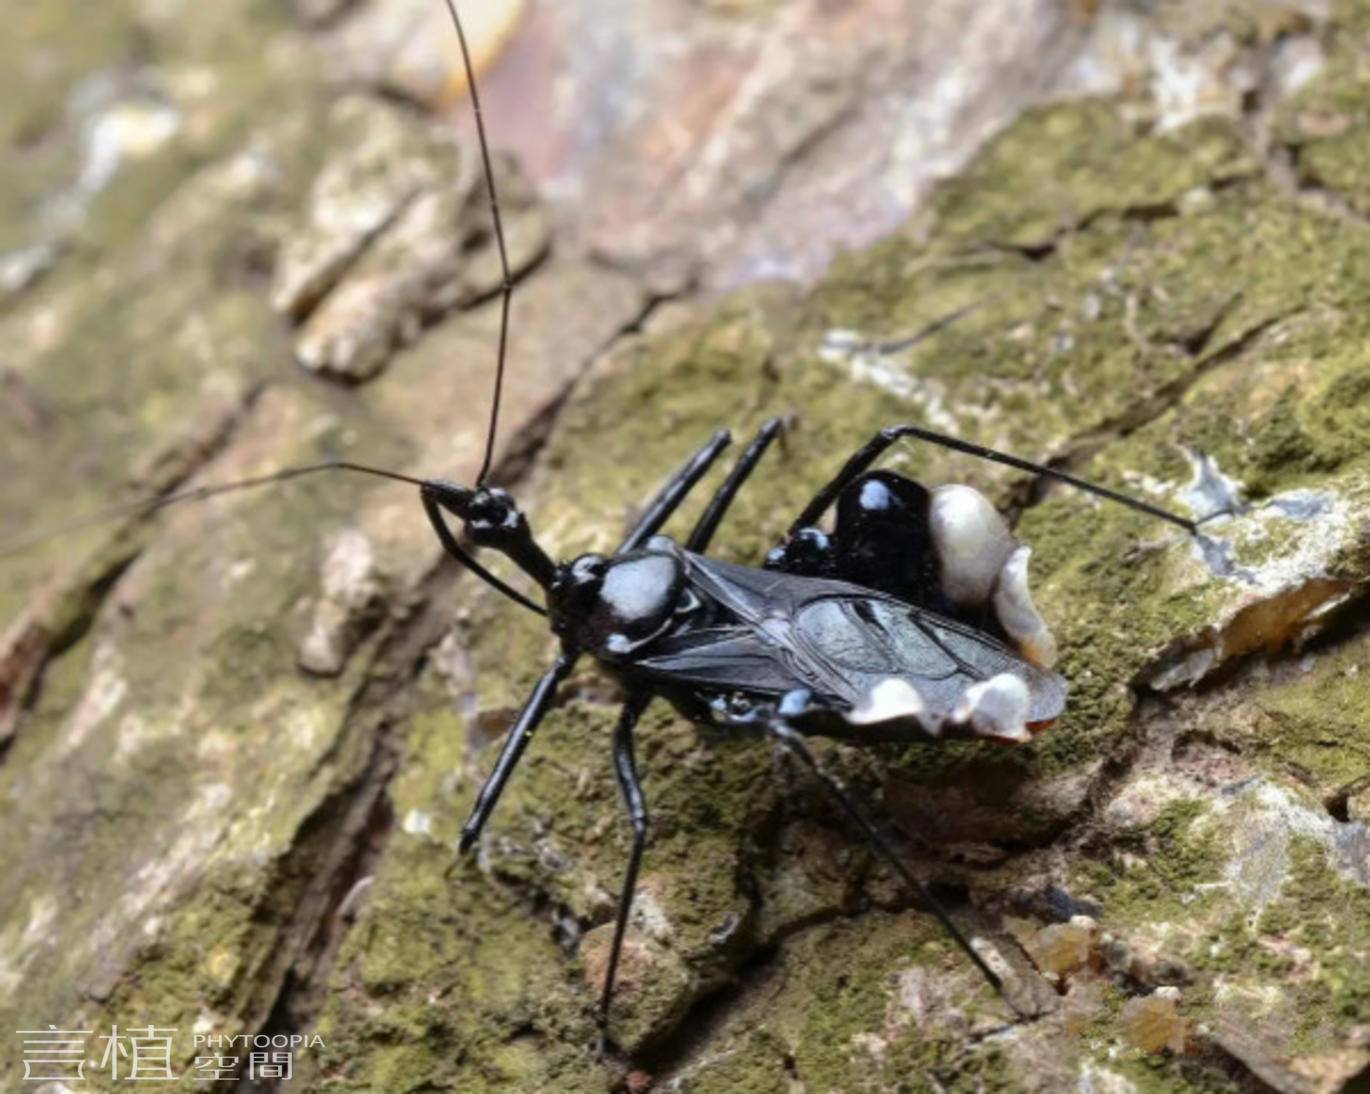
(535,708)
(677,488)
(708,522)
(625,767)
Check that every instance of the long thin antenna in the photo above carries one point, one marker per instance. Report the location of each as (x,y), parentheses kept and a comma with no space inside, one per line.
(507,286)
(876,446)
(12,545)
(995,456)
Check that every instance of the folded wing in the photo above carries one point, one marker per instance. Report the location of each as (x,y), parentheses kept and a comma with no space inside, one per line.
(867,656)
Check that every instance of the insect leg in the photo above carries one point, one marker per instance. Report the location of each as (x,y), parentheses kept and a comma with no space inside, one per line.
(626,769)
(871,451)
(534,710)
(670,496)
(783,732)
(708,523)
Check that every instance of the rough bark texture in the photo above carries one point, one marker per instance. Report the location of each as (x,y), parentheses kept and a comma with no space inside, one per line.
(238,738)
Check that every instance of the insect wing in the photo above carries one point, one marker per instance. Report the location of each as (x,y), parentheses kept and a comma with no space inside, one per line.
(732,658)
(843,641)
(871,639)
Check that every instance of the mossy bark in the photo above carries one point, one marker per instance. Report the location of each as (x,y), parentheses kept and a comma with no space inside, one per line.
(207,838)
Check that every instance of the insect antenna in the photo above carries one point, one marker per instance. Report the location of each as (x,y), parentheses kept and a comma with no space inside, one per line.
(874,448)
(13,545)
(995,456)
(507,283)
(141,507)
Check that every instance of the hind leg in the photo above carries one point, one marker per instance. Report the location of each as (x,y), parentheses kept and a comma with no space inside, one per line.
(780,730)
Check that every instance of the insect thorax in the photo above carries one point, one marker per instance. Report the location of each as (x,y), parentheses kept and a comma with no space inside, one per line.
(612,606)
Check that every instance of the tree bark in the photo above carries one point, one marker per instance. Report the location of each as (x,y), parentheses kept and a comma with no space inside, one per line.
(238,737)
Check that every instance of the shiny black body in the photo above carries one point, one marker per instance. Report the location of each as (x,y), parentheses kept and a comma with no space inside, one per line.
(848,633)
(788,650)
(752,637)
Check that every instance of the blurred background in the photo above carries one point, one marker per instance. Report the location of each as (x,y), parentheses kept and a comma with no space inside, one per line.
(237,737)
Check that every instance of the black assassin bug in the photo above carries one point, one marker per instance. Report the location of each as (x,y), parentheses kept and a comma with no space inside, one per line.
(910,621)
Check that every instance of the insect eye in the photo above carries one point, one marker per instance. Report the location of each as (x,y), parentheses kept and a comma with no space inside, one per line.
(493,507)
